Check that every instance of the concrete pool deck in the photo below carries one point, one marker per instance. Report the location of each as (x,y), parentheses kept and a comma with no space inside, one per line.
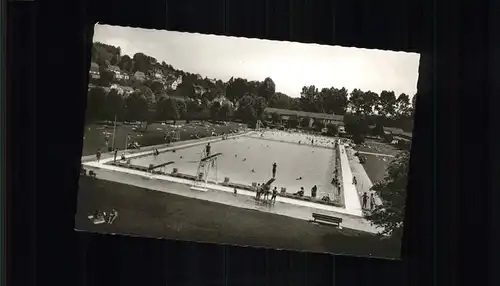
(351,198)
(364,182)
(224,195)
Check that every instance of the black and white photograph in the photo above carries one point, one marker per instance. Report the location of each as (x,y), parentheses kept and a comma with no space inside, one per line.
(247,142)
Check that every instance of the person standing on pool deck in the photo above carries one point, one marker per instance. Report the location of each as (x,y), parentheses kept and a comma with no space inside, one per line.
(116,154)
(275,193)
(274,169)
(207,149)
(365,199)
(314,190)
(98,155)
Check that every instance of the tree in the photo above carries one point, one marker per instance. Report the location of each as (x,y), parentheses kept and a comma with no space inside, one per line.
(146,92)
(214,111)
(186,90)
(392,191)
(182,108)
(304,122)
(167,109)
(363,103)
(319,125)
(96,104)
(259,105)
(105,77)
(309,99)
(137,107)
(332,129)
(267,89)
(378,130)
(355,125)
(236,89)
(115,105)
(142,63)
(356,101)
(281,100)
(387,103)
(192,109)
(334,100)
(247,114)
(156,87)
(225,112)
(358,138)
(275,117)
(293,122)
(125,63)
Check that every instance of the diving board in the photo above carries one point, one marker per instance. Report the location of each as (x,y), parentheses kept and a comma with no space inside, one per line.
(270,182)
(152,167)
(208,158)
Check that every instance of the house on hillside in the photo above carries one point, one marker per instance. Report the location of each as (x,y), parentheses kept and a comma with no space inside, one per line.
(140,76)
(124,91)
(176,83)
(286,114)
(222,100)
(198,89)
(94,71)
(178,97)
(123,75)
(115,70)
(157,74)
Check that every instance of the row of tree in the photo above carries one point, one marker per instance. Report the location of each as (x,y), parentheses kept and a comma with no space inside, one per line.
(251,97)
(102,105)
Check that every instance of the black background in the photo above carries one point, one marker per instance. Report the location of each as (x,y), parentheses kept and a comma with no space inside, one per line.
(449,230)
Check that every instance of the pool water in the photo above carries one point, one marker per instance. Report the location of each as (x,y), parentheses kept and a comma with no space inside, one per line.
(243,154)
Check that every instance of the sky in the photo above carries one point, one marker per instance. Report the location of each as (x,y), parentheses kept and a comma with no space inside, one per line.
(291,65)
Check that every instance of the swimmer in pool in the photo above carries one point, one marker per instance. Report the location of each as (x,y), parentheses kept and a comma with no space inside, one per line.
(181,157)
(235,155)
(299,178)
(253,170)
(244,159)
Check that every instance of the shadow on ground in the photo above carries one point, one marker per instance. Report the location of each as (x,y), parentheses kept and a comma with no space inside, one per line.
(156,214)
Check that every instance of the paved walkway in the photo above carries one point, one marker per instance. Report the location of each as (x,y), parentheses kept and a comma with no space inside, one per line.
(103,166)
(224,195)
(351,198)
(364,183)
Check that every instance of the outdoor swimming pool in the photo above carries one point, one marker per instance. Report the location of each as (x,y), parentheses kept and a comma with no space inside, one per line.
(242,154)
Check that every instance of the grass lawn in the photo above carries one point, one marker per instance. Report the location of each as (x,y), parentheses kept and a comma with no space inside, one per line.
(94,135)
(156,214)
(376,166)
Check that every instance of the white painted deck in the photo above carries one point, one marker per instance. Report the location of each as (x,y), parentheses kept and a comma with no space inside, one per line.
(145,175)
(351,198)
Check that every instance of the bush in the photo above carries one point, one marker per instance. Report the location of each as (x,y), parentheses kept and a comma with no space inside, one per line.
(388,138)
(319,125)
(332,129)
(378,130)
(358,139)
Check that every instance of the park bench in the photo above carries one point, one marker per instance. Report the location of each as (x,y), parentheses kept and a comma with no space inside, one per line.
(92,174)
(326,218)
